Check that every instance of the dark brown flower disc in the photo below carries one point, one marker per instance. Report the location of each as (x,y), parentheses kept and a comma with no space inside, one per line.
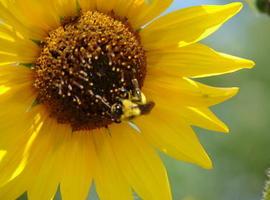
(86,66)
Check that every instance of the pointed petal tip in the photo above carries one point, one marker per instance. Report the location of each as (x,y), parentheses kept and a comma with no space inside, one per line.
(237,6)
(250,64)
(233,91)
(202,159)
(205,162)
(223,128)
(245,63)
(226,129)
(209,166)
(241,62)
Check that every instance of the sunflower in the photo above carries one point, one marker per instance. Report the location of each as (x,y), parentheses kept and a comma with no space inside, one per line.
(91,89)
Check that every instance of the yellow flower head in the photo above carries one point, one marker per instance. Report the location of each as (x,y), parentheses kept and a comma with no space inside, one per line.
(89,89)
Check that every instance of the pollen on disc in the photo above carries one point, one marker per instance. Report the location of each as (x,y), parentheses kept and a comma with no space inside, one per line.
(85,66)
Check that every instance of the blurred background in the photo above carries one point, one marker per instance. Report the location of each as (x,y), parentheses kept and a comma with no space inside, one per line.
(241,157)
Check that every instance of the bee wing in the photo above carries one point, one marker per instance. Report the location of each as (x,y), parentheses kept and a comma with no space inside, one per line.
(134,126)
(147,108)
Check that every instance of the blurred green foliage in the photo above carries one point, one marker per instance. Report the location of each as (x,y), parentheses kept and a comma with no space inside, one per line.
(263,6)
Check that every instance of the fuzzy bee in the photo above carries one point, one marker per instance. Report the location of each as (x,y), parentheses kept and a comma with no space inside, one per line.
(128,109)
(135,105)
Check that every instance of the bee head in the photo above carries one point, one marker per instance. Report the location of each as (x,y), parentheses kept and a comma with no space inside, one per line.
(117,112)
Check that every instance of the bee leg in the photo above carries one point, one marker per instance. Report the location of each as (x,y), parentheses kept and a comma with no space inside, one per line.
(109,113)
(109,131)
(117,121)
(137,91)
(103,101)
(136,86)
(124,93)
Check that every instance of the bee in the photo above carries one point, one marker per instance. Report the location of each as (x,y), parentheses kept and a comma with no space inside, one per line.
(128,109)
(131,104)
(134,106)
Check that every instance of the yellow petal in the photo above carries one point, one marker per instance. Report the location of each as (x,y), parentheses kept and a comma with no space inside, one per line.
(87,4)
(79,162)
(7,15)
(42,14)
(2,154)
(142,12)
(16,140)
(140,164)
(173,136)
(43,165)
(105,6)
(5,2)
(20,92)
(195,60)
(15,49)
(46,159)
(110,183)
(46,181)
(198,116)
(19,122)
(16,101)
(138,12)
(15,75)
(186,26)
(122,7)
(65,8)
(204,118)
(13,189)
(184,91)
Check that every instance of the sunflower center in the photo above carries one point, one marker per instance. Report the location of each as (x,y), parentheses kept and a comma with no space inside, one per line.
(86,66)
